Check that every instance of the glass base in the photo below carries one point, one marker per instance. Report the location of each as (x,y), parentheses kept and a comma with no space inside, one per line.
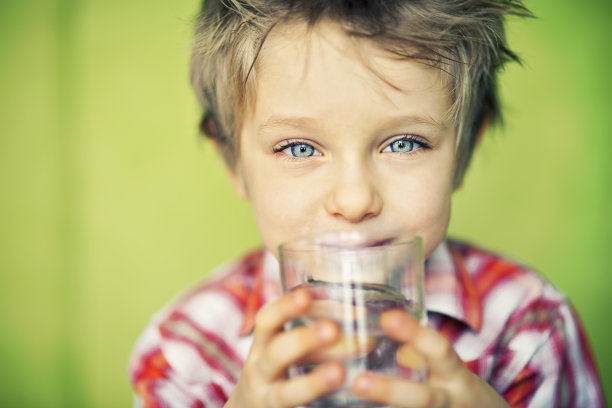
(342,398)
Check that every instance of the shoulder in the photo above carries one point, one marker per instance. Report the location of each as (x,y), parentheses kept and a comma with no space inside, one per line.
(230,284)
(517,308)
(494,274)
(532,341)
(199,332)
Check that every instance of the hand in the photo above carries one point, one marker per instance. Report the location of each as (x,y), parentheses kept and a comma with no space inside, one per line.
(263,381)
(450,383)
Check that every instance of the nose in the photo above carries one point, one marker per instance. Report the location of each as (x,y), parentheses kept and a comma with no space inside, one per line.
(353,197)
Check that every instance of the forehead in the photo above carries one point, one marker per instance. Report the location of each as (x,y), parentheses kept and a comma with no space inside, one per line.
(345,84)
(324,64)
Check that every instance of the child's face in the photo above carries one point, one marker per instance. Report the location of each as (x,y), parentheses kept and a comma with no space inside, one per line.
(329,145)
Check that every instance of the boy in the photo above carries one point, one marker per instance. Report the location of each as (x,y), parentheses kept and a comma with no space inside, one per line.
(361,115)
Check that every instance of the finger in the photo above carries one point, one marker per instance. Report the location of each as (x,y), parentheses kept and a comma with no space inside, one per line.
(288,347)
(336,309)
(303,389)
(345,347)
(397,392)
(271,318)
(437,351)
(408,357)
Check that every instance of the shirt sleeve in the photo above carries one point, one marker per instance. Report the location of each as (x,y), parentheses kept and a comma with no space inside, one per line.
(549,350)
(192,355)
(158,384)
(192,352)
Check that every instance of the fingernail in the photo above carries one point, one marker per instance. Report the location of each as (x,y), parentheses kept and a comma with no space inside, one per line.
(362,383)
(300,299)
(392,319)
(325,331)
(395,320)
(333,375)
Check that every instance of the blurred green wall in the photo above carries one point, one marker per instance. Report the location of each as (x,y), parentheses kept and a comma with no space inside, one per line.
(110,205)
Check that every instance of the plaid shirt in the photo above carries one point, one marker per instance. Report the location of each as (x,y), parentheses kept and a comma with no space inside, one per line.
(506,323)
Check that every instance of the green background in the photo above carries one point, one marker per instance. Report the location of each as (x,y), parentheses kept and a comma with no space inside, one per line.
(110,204)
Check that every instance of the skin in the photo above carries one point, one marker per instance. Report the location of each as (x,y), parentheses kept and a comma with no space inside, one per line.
(321,95)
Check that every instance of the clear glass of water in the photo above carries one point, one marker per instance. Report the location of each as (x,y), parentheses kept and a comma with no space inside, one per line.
(353,278)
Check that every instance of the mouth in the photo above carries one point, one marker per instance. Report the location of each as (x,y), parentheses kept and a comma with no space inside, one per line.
(379,242)
(347,240)
(353,239)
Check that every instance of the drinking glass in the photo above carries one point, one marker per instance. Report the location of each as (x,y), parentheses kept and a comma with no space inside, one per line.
(353,278)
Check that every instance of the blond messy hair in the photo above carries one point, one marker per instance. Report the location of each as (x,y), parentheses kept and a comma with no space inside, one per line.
(463,38)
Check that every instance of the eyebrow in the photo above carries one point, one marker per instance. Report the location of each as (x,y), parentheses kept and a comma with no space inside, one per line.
(297,122)
(305,122)
(403,120)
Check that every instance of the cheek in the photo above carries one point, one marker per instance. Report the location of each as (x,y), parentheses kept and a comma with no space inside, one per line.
(434,221)
(423,205)
(283,209)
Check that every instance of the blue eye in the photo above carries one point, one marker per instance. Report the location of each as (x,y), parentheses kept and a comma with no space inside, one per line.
(402,146)
(297,149)
(405,145)
(301,150)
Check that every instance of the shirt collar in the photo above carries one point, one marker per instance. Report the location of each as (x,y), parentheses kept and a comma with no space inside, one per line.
(266,287)
(449,287)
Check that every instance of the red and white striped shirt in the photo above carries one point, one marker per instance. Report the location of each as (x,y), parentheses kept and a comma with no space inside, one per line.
(506,323)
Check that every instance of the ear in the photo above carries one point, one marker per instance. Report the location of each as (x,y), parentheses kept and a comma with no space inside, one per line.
(483,129)
(233,170)
(237,180)
(208,126)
